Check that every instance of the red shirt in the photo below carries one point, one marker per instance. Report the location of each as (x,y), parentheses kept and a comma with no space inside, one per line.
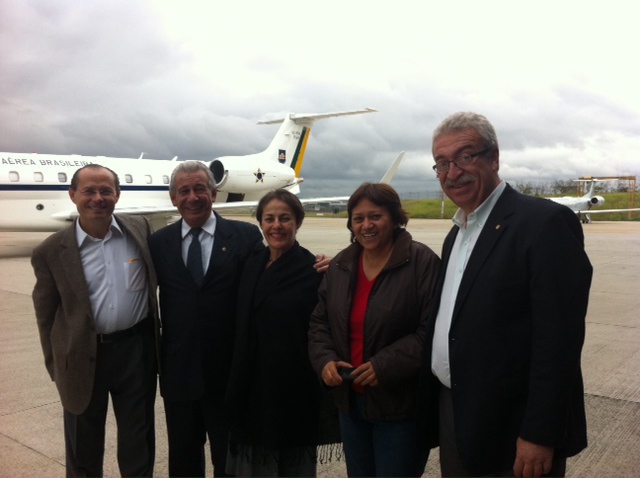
(356,320)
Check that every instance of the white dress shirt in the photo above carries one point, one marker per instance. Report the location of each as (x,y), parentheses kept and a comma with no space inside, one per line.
(470,228)
(116,275)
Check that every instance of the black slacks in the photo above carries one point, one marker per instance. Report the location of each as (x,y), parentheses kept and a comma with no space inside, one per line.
(125,369)
(450,461)
(189,423)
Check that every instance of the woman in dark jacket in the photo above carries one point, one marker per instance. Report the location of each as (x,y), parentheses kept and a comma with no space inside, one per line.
(273,394)
(367,332)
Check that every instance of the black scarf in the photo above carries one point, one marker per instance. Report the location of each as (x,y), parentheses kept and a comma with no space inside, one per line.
(275,399)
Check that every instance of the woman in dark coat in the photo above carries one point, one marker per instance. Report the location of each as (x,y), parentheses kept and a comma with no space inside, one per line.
(366,335)
(273,394)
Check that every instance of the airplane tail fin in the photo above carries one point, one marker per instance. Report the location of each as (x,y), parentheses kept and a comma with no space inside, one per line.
(391,172)
(290,142)
(589,195)
(589,198)
(593,181)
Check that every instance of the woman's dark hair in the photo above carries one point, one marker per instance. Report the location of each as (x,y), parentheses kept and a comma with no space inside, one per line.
(382,195)
(286,197)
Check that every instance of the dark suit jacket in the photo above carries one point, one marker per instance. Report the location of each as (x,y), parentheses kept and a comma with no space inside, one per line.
(198,323)
(517,333)
(64,314)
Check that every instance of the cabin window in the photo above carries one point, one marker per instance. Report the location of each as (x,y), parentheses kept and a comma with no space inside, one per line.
(38,177)
(14,177)
(128,178)
(165,179)
(62,177)
(147,179)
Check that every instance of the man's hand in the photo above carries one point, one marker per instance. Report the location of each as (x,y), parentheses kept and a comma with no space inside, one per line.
(532,459)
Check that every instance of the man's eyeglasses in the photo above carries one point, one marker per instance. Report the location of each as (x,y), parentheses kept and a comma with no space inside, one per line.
(442,165)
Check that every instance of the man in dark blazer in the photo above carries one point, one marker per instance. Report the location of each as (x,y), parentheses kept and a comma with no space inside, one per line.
(198,319)
(504,347)
(95,304)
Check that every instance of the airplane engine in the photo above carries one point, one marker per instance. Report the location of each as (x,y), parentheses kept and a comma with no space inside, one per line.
(246,176)
(596,201)
(217,168)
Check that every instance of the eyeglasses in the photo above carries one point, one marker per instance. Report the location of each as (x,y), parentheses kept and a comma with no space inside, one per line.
(442,165)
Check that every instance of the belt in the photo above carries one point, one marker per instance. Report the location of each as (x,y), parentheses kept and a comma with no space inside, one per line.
(123,334)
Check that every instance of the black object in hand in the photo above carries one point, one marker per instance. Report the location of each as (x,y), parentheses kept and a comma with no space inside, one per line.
(345,373)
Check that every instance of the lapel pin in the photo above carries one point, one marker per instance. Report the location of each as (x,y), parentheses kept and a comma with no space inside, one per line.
(224,249)
(497,227)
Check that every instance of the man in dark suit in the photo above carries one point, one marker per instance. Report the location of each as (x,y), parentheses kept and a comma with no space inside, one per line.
(95,304)
(506,341)
(198,318)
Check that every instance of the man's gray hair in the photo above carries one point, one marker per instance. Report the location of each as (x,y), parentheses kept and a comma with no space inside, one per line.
(191,167)
(467,120)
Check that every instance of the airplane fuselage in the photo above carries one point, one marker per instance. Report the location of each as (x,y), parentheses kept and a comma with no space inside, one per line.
(582,206)
(34,187)
(579,204)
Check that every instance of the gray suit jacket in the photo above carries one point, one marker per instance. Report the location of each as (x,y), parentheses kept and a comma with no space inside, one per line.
(64,314)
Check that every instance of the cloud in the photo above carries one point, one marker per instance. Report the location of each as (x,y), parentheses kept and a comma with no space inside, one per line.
(122,77)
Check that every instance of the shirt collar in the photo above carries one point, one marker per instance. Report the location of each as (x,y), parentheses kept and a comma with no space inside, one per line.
(209,226)
(481,213)
(82,236)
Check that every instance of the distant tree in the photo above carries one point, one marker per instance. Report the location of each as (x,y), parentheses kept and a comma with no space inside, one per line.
(622,187)
(524,187)
(559,187)
(540,189)
(530,188)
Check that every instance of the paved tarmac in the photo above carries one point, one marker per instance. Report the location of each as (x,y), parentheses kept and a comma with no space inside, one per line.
(31,439)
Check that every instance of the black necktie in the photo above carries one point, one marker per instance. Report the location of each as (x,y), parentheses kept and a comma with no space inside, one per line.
(194,257)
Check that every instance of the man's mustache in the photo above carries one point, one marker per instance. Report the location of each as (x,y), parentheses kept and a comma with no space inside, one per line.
(461,181)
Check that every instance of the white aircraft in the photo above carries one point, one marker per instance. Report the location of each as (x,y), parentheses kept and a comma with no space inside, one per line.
(34,187)
(583,205)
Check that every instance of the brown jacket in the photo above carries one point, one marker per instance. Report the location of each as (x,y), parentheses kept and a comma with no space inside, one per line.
(64,314)
(395,325)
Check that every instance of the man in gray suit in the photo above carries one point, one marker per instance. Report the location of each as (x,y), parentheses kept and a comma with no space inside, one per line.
(96,311)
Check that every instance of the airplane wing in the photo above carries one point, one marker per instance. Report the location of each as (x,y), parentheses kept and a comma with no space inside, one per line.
(300,117)
(606,211)
(146,210)
(68,215)
(160,215)
(225,206)
(388,176)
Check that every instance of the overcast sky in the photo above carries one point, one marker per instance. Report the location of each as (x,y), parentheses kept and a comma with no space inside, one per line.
(559,80)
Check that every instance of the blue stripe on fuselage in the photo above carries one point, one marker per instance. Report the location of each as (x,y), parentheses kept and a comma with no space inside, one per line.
(65,187)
